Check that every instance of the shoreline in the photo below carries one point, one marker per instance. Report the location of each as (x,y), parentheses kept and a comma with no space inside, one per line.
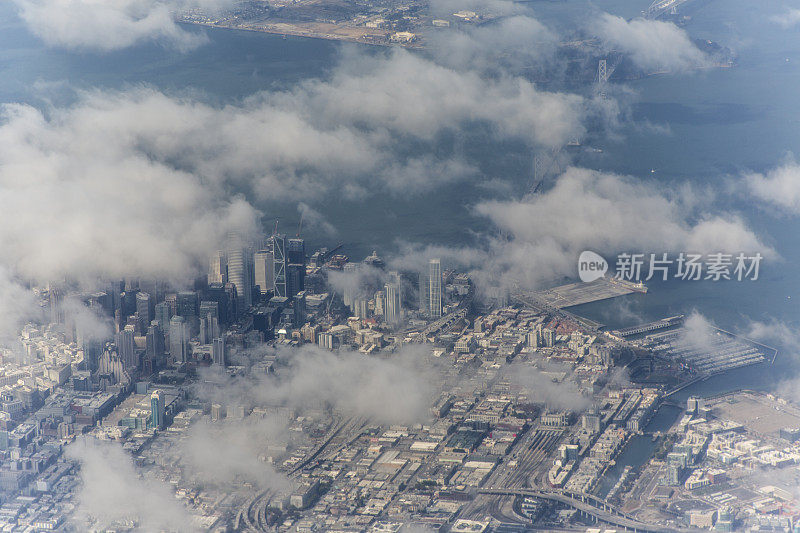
(308,34)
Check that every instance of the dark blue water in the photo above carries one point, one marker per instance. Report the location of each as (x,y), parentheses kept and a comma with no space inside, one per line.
(711,125)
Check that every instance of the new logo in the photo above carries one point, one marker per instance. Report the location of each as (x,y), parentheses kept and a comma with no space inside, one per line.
(591,266)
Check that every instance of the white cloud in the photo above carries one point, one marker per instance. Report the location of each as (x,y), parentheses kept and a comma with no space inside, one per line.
(697,333)
(779,187)
(18,305)
(391,388)
(651,44)
(395,389)
(606,213)
(232,451)
(775,333)
(510,43)
(101,25)
(787,20)
(545,385)
(113,490)
(82,199)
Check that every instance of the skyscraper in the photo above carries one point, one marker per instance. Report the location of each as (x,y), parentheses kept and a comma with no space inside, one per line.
(435,283)
(92,351)
(126,348)
(361,308)
(155,288)
(218,351)
(240,271)
(187,305)
(178,339)
(380,299)
(217,268)
(424,293)
(296,251)
(280,262)
(295,279)
(350,291)
(154,344)
(299,305)
(157,409)
(162,314)
(393,310)
(209,328)
(55,300)
(295,266)
(264,271)
(145,309)
(218,293)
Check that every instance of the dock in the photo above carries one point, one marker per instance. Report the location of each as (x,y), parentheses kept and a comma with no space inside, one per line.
(581,293)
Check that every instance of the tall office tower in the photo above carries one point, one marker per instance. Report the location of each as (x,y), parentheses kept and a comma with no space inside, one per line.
(350,290)
(101,304)
(218,351)
(187,305)
(154,343)
(92,351)
(155,288)
(209,317)
(393,310)
(157,410)
(280,262)
(115,290)
(178,339)
(379,303)
(55,300)
(232,296)
(240,271)
(300,308)
(435,305)
(217,268)
(172,301)
(209,328)
(295,266)
(162,314)
(296,251)
(424,293)
(203,333)
(295,279)
(126,348)
(361,308)
(129,302)
(145,309)
(218,295)
(264,271)
(209,307)
(213,327)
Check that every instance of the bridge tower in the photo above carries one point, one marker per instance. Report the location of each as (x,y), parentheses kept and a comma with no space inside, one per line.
(602,77)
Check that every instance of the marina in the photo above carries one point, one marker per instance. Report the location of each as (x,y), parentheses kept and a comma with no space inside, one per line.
(716,351)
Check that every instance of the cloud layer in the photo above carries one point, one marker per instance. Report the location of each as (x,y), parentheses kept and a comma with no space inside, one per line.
(606,213)
(398,388)
(787,20)
(113,490)
(103,26)
(653,45)
(779,187)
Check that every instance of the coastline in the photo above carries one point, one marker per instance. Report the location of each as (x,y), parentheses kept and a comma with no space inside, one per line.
(287,29)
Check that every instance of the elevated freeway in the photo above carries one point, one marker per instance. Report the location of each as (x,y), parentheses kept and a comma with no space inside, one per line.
(585,504)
